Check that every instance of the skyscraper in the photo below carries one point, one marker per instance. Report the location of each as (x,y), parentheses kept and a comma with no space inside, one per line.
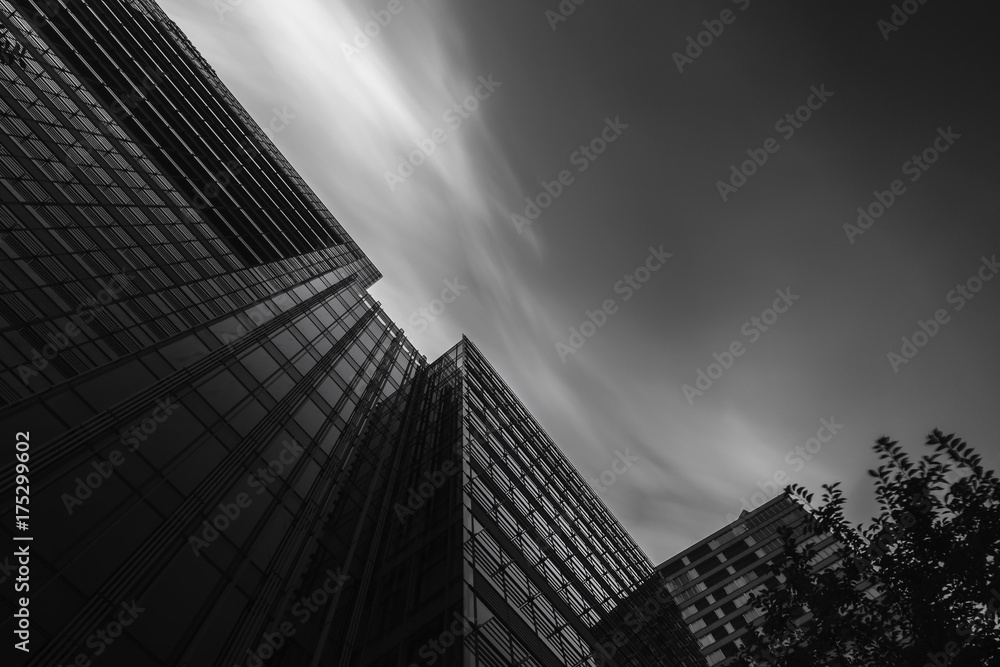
(711,581)
(484,519)
(234,456)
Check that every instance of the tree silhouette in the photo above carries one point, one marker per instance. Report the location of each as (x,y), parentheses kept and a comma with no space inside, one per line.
(918,586)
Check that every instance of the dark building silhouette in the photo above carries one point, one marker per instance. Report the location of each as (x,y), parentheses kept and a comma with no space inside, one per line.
(483,518)
(236,458)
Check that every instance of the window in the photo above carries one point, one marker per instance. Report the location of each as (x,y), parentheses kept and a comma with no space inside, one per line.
(222,391)
(260,363)
(116,385)
(185,352)
(310,418)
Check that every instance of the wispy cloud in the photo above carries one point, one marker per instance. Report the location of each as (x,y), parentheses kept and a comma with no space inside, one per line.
(357,120)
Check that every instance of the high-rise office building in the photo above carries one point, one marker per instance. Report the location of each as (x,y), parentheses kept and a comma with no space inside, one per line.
(235,457)
(484,519)
(711,580)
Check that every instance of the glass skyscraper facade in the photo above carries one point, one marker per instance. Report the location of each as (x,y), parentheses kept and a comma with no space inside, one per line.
(236,458)
(482,518)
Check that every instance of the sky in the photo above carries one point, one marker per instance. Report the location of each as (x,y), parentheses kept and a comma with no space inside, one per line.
(518,172)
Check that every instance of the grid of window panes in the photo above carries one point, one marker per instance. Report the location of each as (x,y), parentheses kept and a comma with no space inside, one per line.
(404,560)
(194,424)
(101,254)
(414,567)
(184,324)
(200,136)
(352,541)
(647,629)
(711,582)
(367,273)
(540,537)
(407,558)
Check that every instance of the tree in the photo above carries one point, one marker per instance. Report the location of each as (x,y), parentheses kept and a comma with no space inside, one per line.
(918,586)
